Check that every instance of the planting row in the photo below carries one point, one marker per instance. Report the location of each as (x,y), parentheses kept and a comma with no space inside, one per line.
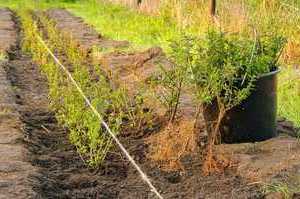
(86,133)
(131,106)
(219,71)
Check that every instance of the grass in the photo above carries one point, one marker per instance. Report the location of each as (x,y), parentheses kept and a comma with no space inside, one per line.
(121,23)
(286,190)
(140,29)
(281,188)
(289,94)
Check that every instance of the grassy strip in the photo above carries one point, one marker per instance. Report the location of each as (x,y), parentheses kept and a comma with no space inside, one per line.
(86,133)
(176,16)
(142,30)
(287,191)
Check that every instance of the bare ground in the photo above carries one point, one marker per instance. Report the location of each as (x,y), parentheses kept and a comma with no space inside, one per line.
(15,170)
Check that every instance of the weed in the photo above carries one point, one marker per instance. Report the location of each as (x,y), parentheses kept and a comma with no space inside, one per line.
(279,187)
(3,56)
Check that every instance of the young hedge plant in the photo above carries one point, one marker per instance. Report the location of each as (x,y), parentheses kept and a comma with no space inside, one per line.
(85,131)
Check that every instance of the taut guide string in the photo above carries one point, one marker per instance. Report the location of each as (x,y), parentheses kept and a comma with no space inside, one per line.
(143,175)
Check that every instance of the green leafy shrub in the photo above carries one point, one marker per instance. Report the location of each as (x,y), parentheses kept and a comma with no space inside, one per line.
(222,67)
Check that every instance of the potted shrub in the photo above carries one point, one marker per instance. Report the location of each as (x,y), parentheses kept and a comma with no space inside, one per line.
(234,78)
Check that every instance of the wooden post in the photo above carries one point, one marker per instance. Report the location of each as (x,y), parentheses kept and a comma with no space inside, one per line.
(213,4)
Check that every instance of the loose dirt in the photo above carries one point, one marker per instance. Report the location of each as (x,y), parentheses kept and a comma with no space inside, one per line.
(15,171)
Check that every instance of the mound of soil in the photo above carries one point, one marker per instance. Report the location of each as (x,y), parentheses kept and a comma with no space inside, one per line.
(260,162)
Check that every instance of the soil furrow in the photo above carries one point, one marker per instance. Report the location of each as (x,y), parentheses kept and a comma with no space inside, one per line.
(56,160)
(16,172)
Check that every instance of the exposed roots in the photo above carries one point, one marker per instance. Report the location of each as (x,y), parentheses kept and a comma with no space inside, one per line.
(210,164)
(171,144)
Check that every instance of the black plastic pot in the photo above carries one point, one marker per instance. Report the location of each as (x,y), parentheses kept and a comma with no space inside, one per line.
(254,119)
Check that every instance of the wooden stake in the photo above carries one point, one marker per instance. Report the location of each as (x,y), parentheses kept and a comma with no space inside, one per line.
(213,4)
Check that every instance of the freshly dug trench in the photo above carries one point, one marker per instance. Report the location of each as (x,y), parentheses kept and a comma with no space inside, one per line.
(60,171)
(16,172)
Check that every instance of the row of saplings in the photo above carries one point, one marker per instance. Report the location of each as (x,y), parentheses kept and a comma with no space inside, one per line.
(232,77)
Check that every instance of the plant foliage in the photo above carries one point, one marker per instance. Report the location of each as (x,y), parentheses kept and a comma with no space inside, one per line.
(221,68)
(225,66)
(86,132)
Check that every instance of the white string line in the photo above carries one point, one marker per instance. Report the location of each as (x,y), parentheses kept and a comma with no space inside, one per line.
(143,175)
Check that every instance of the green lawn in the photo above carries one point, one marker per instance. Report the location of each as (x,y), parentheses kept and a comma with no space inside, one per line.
(113,21)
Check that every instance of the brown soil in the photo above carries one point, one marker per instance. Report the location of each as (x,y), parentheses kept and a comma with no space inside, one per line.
(262,161)
(15,171)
